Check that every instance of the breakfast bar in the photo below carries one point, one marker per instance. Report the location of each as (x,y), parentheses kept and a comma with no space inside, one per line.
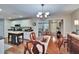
(16,34)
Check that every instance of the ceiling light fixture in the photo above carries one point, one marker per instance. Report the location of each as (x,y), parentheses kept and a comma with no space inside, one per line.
(42,14)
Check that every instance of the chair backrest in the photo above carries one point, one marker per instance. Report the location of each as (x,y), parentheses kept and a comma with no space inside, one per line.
(47,39)
(34,49)
(60,42)
(33,36)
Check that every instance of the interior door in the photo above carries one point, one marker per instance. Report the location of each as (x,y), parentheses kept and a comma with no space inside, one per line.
(53,27)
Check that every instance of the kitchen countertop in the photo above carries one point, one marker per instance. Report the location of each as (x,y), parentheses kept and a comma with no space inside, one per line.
(26,34)
(15,32)
(18,31)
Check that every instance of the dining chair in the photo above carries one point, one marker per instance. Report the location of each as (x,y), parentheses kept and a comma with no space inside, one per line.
(34,47)
(33,36)
(45,41)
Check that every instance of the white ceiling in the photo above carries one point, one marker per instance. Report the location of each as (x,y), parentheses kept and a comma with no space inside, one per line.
(30,10)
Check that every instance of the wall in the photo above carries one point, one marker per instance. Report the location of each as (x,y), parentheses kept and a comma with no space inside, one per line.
(75,16)
(2,27)
(35,28)
(27,23)
(67,26)
(7,24)
(24,23)
(67,22)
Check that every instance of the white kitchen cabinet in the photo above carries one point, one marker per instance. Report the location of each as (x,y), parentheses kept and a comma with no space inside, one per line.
(27,35)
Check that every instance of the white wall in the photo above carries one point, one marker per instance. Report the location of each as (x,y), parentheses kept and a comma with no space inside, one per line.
(67,22)
(24,23)
(7,24)
(35,28)
(2,27)
(27,23)
(75,16)
(68,27)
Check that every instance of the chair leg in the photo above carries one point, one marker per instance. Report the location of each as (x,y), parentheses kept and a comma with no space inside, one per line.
(64,44)
(25,50)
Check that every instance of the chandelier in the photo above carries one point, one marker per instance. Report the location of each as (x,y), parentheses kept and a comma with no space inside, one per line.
(42,14)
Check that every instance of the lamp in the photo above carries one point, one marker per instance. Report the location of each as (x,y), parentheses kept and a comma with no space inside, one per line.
(42,14)
(76,22)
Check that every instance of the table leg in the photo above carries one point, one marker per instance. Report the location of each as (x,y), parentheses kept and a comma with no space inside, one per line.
(18,40)
(8,37)
(22,38)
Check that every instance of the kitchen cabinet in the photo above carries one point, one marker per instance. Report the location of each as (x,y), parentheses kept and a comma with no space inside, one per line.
(73,43)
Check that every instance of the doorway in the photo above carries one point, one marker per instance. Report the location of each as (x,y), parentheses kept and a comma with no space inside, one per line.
(56,25)
(43,25)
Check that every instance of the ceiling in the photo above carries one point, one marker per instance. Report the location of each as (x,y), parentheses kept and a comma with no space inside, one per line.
(30,10)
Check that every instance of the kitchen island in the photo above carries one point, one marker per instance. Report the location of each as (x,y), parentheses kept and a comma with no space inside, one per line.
(16,35)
